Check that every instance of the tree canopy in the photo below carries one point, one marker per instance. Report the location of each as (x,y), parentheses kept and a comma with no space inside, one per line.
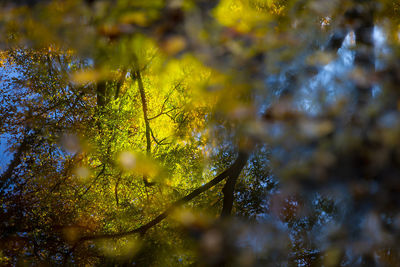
(200,133)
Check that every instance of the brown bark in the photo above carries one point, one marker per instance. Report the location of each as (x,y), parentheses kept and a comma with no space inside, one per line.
(138,76)
(143,98)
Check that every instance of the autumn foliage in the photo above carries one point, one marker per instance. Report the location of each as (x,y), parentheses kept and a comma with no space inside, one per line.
(199,133)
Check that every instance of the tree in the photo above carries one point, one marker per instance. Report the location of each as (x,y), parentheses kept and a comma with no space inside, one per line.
(197,132)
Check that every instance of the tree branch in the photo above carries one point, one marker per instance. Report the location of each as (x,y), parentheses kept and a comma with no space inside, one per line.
(94,180)
(101,91)
(120,82)
(162,113)
(116,189)
(138,76)
(336,40)
(23,147)
(232,171)
(229,187)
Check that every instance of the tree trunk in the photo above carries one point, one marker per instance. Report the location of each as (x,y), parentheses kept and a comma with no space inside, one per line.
(229,187)
(364,58)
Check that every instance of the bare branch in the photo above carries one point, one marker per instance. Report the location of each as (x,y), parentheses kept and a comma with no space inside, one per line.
(232,171)
(94,181)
